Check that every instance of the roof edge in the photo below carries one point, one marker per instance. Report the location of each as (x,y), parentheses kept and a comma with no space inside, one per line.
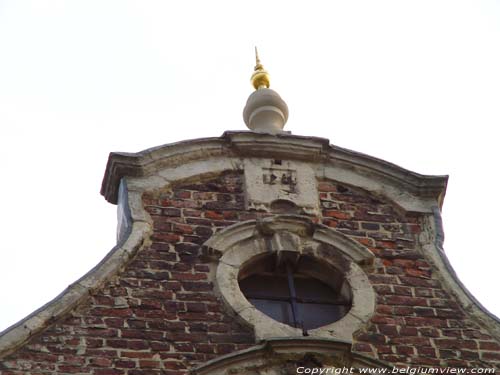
(467,300)
(248,144)
(17,334)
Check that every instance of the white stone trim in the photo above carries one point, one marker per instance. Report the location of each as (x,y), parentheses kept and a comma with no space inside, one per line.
(431,245)
(16,335)
(249,242)
(410,190)
(270,356)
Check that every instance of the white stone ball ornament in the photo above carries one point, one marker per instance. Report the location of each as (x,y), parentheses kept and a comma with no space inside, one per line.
(265,112)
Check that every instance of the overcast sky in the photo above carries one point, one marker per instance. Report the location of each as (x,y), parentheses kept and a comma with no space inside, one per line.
(415,83)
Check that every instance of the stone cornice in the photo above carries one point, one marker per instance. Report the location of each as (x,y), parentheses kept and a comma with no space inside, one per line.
(281,146)
(145,163)
(418,184)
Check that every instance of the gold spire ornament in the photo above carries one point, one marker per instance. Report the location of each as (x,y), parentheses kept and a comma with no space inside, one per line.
(265,111)
(260,77)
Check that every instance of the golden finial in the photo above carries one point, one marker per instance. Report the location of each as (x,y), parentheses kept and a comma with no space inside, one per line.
(260,78)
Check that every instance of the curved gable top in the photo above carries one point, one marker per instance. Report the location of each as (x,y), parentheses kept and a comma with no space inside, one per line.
(329,161)
(393,180)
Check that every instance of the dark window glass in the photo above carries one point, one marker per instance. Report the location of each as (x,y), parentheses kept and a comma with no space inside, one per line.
(263,286)
(278,310)
(319,315)
(293,297)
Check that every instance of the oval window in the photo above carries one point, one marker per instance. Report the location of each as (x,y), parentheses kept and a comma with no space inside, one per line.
(295,289)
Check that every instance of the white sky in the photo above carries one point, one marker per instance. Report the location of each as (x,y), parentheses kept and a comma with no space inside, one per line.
(416,83)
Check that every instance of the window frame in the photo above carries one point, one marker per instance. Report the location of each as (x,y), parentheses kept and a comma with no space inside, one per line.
(292,275)
(233,248)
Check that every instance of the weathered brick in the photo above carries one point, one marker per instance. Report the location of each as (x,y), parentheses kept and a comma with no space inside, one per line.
(232,338)
(416,281)
(170,211)
(390,330)
(370,226)
(405,301)
(181,276)
(109,372)
(408,331)
(391,270)
(426,322)
(424,311)
(196,307)
(418,273)
(204,231)
(337,214)
(101,362)
(136,354)
(70,369)
(196,286)
(420,292)
(405,350)
(456,344)
(146,364)
(362,347)
(225,348)
(429,332)
(183,194)
(184,347)
(188,316)
(469,355)
(125,364)
(197,221)
(426,351)
(372,338)
(403,290)
(384,349)
(182,228)
(489,345)
(383,279)
(487,356)
(161,315)
(201,268)
(166,237)
(137,344)
(417,361)
(140,334)
(205,348)
(116,343)
(410,340)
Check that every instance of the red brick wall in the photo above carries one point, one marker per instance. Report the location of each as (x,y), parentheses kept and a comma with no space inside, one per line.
(417,322)
(161,316)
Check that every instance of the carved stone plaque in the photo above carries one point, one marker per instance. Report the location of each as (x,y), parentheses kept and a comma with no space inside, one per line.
(270,180)
(285,178)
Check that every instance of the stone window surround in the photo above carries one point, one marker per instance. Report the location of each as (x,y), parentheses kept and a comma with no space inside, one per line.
(241,242)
